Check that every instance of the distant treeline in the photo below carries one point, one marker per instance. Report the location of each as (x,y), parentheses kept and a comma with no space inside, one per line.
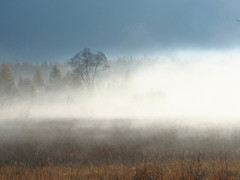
(28,79)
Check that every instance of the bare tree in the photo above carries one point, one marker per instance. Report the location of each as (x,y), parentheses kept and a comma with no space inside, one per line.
(86,65)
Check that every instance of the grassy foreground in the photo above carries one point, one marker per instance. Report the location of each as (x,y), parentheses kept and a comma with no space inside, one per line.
(175,169)
(76,150)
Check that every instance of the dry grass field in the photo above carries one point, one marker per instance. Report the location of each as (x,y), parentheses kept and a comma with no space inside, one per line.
(47,150)
(172,169)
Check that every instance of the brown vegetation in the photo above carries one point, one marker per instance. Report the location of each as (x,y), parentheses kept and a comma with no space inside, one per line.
(71,150)
(172,169)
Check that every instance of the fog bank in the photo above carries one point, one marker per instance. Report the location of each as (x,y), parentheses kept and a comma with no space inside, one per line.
(205,88)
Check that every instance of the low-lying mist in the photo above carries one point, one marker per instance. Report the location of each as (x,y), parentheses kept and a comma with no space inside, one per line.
(164,112)
(176,91)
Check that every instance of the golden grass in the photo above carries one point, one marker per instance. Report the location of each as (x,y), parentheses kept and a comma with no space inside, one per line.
(174,170)
(58,152)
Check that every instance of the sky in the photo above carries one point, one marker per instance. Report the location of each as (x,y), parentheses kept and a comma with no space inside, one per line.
(54,30)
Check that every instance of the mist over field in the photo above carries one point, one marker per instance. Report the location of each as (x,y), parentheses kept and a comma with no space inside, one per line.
(180,89)
(93,117)
(138,90)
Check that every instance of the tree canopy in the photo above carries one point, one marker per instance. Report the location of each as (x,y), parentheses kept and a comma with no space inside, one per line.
(86,65)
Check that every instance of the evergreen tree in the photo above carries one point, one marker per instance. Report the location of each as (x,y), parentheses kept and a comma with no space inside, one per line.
(7,82)
(26,86)
(38,79)
(55,76)
(68,79)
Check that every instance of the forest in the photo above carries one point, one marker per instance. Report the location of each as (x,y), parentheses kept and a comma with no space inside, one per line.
(84,71)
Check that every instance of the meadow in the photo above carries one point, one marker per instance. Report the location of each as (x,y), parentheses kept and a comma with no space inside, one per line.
(119,149)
